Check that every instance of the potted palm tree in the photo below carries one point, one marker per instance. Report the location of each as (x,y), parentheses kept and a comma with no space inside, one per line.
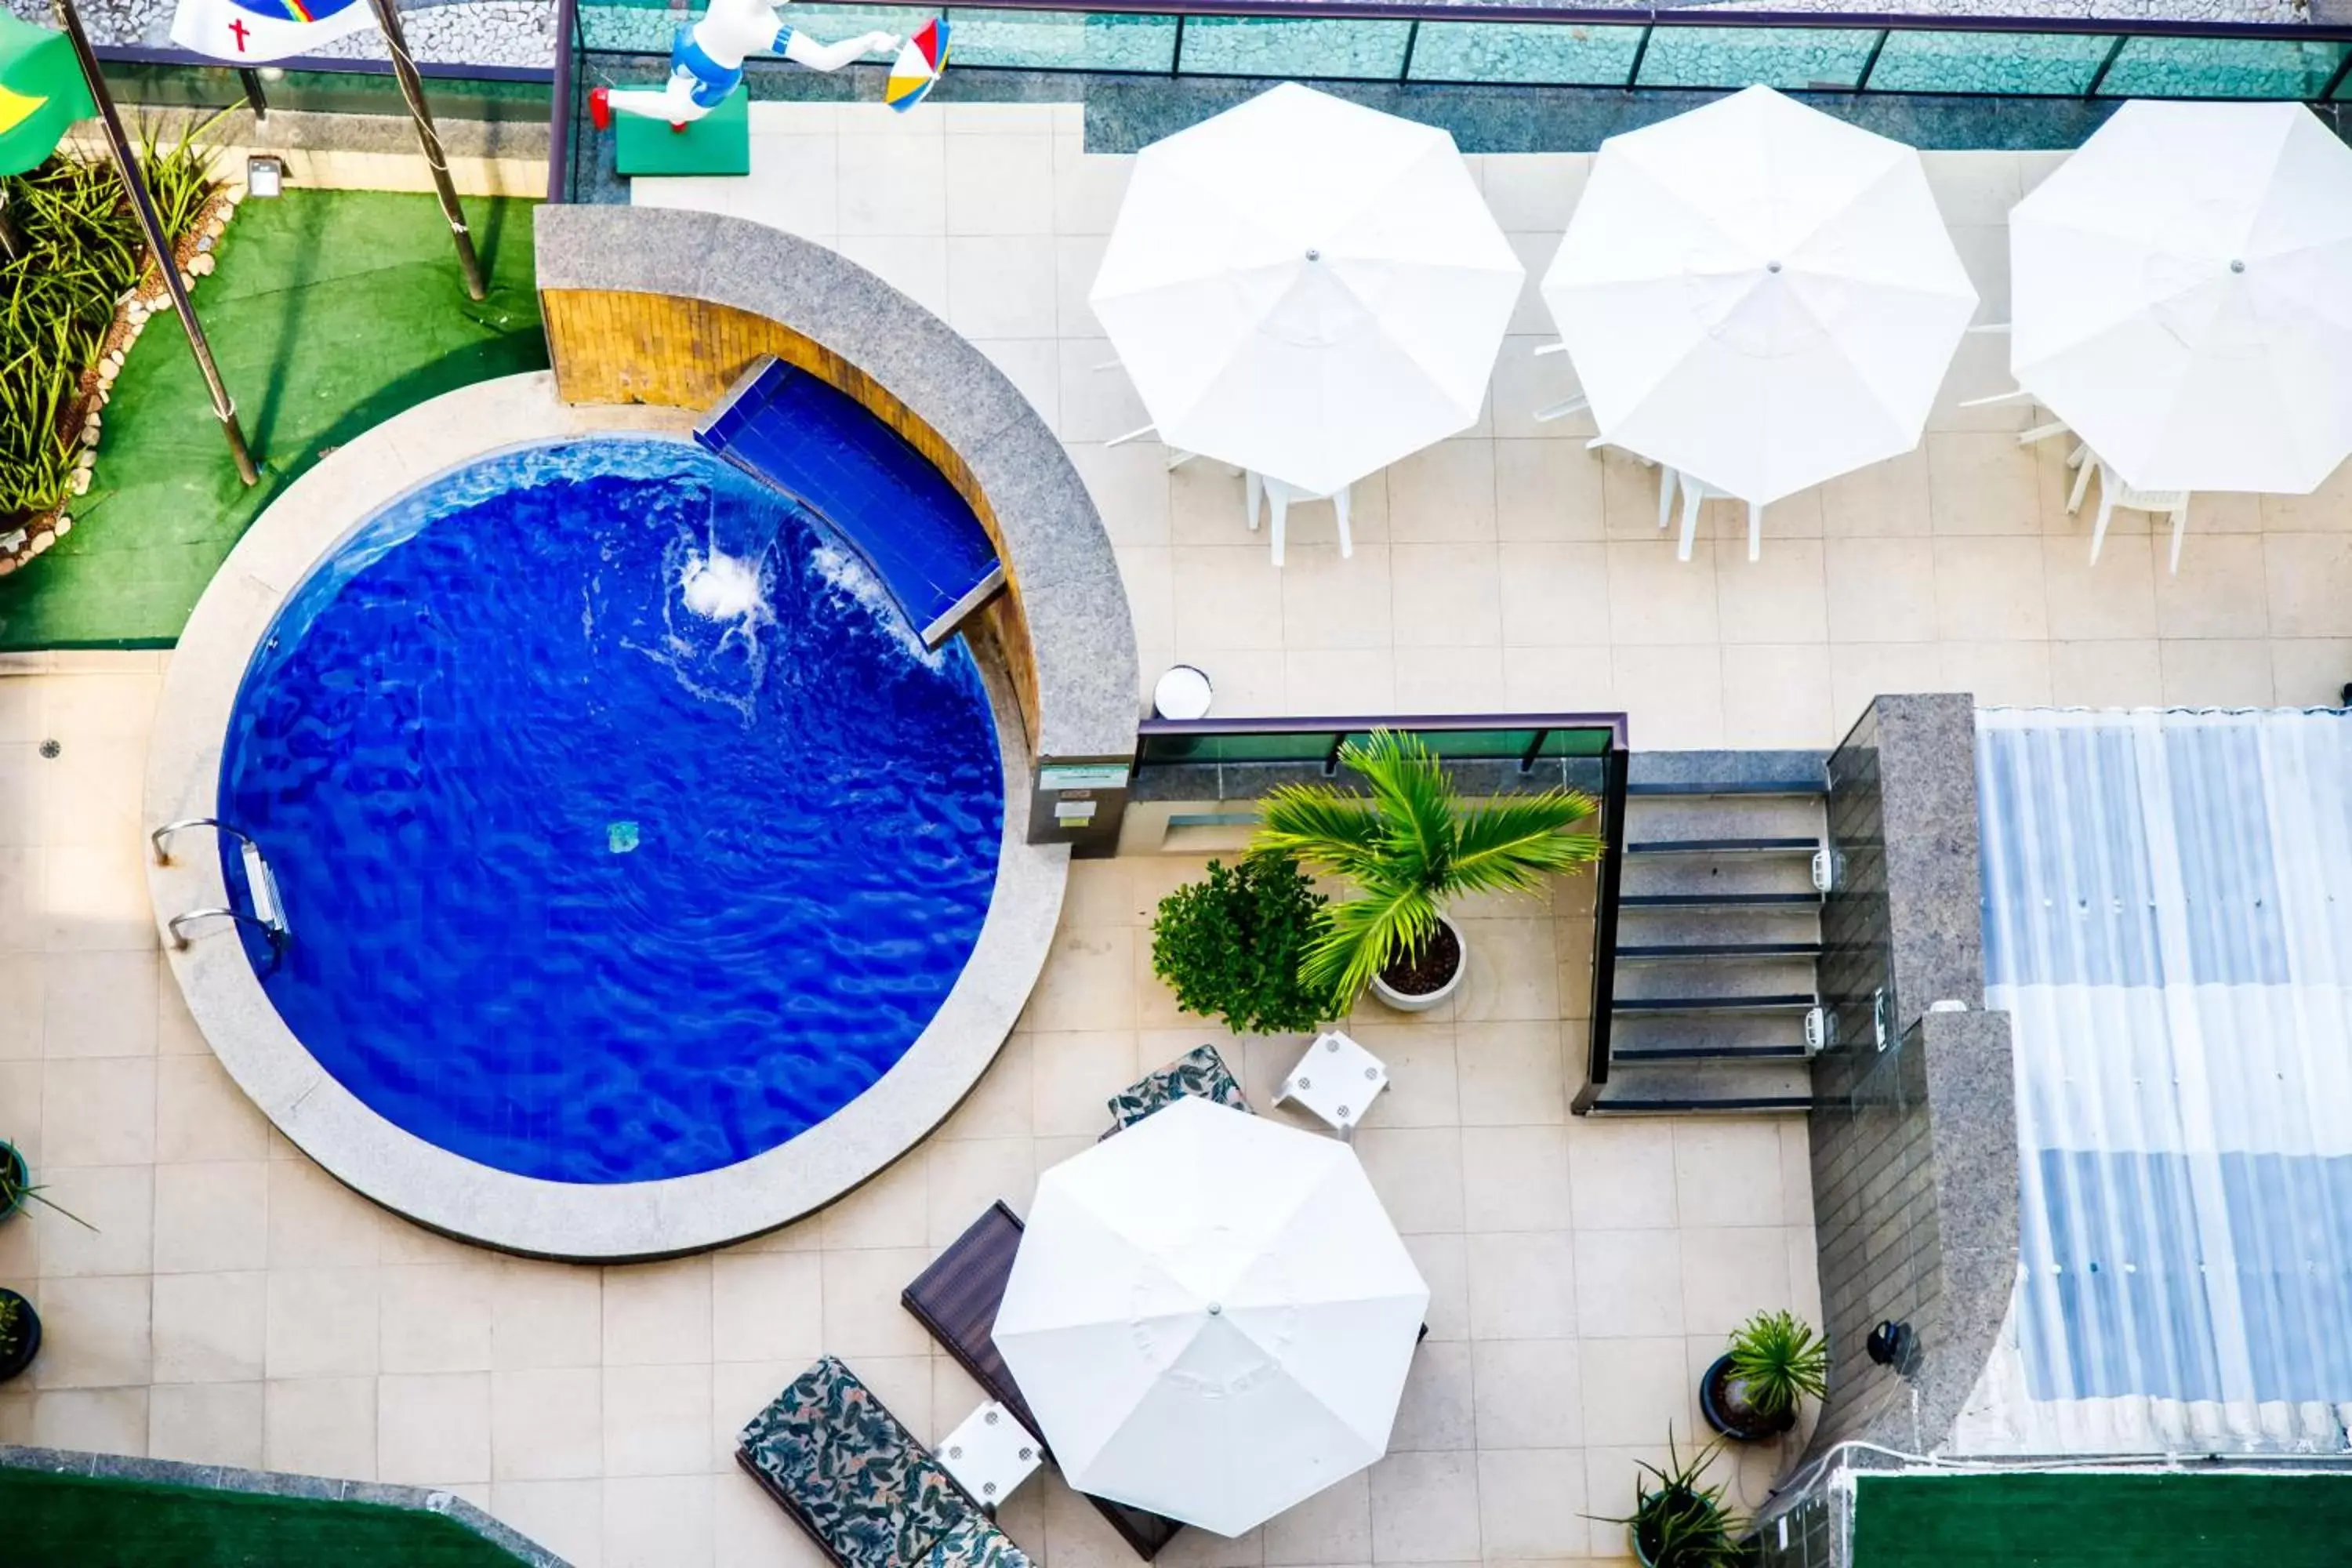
(1678,1520)
(1752,1391)
(1409,843)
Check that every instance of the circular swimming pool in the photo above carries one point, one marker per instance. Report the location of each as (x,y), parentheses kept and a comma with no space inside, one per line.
(624,829)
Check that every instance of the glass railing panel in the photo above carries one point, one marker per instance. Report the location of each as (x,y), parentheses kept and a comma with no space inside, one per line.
(1529,53)
(1288,746)
(620,26)
(1256,46)
(326,92)
(1467,745)
(1498,745)
(1577,742)
(1061,40)
(1793,58)
(2058,65)
(2223,68)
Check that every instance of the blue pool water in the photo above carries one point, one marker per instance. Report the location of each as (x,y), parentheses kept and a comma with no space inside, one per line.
(624,830)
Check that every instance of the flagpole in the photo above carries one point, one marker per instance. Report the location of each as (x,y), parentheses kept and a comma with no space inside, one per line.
(127,164)
(255,99)
(411,87)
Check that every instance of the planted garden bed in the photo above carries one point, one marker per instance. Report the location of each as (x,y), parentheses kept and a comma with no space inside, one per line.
(72,304)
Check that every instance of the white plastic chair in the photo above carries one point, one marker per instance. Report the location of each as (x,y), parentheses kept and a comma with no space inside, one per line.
(2114,493)
(1696,492)
(1278,497)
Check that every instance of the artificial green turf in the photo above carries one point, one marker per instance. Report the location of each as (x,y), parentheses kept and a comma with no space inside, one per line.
(331,311)
(77,1521)
(2077,1520)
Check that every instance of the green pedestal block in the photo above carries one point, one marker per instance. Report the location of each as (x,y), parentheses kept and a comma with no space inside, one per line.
(718,143)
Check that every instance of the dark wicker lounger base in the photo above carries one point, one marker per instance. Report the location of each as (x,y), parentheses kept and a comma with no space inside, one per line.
(956,1300)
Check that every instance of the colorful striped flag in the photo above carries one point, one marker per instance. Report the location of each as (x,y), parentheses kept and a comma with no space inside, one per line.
(41,93)
(249,32)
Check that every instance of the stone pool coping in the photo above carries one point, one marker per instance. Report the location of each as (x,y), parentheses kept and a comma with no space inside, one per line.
(602,1222)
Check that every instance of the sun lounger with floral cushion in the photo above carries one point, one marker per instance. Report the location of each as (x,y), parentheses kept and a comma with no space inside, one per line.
(867,1491)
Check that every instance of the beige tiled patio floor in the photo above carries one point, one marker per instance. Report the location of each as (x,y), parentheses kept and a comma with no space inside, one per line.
(237,1305)
(1511,568)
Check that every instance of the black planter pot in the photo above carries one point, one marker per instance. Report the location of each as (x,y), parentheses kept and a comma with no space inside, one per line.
(1721,1401)
(15,1176)
(17,1352)
(1639,1542)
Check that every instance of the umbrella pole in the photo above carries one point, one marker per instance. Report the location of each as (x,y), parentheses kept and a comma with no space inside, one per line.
(411,89)
(126,163)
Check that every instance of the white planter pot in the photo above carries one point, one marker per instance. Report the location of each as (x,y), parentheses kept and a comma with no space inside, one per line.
(1406,1002)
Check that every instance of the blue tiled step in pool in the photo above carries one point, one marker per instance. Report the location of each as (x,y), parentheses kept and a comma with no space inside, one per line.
(817,445)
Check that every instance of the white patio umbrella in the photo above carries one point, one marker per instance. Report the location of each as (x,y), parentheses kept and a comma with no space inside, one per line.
(1757,295)
(1212,1316)
(1307,288)
(2182,296)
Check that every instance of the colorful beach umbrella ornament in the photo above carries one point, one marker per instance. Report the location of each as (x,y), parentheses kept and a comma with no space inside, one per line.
(919,65)
(41,93)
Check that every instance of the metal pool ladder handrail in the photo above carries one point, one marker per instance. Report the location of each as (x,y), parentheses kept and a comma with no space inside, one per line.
(268,914)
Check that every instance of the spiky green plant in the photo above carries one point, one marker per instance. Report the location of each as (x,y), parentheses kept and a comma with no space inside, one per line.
(56,303)
(1778,1358)
(37,451)
(82,251)
(180,176)
(1409,843)
(1681,1521)
(16,1186)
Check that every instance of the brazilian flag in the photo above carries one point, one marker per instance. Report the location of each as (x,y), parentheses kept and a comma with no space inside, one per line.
(41,93)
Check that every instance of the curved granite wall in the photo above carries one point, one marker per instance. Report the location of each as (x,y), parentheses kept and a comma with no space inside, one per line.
(661,306)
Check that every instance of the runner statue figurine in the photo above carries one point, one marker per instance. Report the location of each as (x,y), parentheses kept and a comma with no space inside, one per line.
(706,63)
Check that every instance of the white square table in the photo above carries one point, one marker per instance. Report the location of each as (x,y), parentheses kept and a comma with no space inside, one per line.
(990,1454)
(1337,1079)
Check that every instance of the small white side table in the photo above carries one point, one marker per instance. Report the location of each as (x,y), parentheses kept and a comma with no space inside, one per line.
(1337,1079)
(990,1454)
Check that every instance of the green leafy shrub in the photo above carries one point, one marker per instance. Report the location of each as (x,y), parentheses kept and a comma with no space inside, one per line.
(1233,946)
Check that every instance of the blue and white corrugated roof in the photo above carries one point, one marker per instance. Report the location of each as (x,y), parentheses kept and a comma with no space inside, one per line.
(2168,919)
